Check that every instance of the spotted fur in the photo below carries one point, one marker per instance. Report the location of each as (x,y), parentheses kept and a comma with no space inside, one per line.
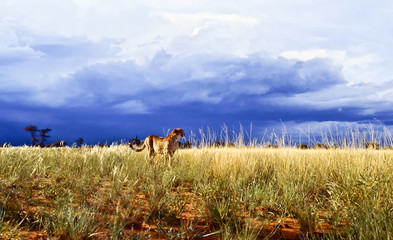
(159,145)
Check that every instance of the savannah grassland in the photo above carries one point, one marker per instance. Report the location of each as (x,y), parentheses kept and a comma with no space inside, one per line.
(207,193)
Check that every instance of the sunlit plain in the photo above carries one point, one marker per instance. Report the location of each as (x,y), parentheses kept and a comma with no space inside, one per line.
(230,193)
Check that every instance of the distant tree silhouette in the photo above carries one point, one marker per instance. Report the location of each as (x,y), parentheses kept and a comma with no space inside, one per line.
(43,135)
(33,131)
(271,146)
(187,144)
(79,142)
(302,146)
(103,145)
(372,145)
(320,146)
(59,144)
(219,144)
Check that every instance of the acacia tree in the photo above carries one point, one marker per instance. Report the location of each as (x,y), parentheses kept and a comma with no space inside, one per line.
(79,142)
(43,135)
(33,131)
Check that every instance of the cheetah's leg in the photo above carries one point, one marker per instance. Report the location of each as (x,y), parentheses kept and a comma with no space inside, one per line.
(151,156)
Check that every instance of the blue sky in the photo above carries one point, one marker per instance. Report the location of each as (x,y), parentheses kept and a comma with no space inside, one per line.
(108,70)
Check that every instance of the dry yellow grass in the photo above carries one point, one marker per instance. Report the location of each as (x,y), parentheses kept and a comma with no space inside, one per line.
(234,193)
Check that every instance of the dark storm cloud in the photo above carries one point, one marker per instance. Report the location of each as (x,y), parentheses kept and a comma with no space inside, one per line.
(223,82)
(119,99)
(108,70)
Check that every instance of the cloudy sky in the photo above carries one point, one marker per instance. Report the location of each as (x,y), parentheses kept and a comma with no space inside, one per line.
(108,70)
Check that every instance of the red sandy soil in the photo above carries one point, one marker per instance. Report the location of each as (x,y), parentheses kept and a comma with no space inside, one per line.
(278,228)
(288,230)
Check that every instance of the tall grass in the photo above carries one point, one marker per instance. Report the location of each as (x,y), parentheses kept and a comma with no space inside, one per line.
(348,136)
(237,193)
(224,193)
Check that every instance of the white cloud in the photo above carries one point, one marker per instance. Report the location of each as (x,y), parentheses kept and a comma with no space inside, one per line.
(132,107)
(370,99)
(354,60)
(56,52)
(11,55)
(304,55)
